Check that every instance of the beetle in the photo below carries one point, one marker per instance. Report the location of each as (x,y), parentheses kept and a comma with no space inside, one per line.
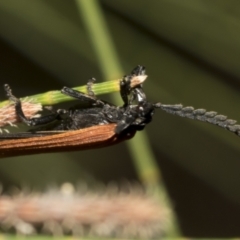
(101,124)
(98,125)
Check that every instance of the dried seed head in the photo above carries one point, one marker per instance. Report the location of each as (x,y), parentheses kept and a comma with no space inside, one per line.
(8,114)
(122,214)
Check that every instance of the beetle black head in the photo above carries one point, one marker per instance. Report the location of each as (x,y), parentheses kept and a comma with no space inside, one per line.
(131,81)
(134,116)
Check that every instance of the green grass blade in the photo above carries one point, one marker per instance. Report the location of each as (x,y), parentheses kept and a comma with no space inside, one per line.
(110,65)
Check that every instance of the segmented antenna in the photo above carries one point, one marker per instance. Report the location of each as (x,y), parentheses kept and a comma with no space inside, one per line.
(202,115)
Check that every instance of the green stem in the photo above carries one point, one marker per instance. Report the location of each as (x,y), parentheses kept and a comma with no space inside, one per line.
(55,97)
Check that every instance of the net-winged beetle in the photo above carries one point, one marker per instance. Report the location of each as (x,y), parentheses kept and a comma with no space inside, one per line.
(99,125)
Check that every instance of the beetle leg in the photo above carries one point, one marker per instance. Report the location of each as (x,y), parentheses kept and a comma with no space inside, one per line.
(82,96)
(125,89)
(89,87)
(129,117)
(124,123)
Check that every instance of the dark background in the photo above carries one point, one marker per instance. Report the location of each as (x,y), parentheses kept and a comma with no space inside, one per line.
(191,50)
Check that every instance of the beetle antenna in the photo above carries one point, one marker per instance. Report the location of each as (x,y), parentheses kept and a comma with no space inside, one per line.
(201,115)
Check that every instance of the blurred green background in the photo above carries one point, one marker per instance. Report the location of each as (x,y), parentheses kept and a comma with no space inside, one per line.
(191,49)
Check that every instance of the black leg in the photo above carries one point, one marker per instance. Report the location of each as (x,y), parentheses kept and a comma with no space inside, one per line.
(138,94)
(89,87)
(82,96)
(125,89)
(129,117)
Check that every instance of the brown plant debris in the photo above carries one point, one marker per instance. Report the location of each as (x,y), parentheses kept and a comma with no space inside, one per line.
(8,114)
